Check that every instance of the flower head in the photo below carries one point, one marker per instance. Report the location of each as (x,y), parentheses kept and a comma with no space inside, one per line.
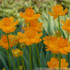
(3,69)
(66,25)
(29,37)
(21,67)
(57,45)
(29,15)
(54,63)
(34,25)
(58,11)
(13,40)
(7,24)
(17,52)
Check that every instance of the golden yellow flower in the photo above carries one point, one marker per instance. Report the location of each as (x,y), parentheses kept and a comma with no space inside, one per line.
(57,45)
(7,24)
(21,67)
(29,37)
(66,25)
(54,63)
(58,11)
(29,15)
(3,69)
(34,25)
(17,52)
(13,40)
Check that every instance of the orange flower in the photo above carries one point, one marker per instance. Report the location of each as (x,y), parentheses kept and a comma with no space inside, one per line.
(17,52)
(29,15)
(29,37)
(8,24)
(13,40)
(57,45)
(54,63)
(66,25)
(58,11)
(35,25)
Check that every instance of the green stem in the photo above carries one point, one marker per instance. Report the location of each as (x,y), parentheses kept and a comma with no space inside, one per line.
(68,36)
(30,57)
(8,60)
(8,44)
(59,60)
(29,3)
(59,25)
(22,57)
(10,51)
(23,63)
(38,55)
(55,55)
(18,63)
(67,56)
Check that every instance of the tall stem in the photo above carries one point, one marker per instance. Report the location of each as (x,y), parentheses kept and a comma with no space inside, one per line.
(18,63)
(8,44)
(8,60)
(23,62)
(10,51)
(22,57)
(59,60)
(59,25)
(68,36)
(67,56)
(38,56)
(29,3)
(30,57)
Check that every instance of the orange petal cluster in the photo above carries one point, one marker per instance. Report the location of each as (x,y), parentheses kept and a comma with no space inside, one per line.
(7,24)
(17,52)
(58,11)
(57,45)
(29,15)
(66,25)
(13,40)
(31,20)
(54,63)
(29,37)
(35,25)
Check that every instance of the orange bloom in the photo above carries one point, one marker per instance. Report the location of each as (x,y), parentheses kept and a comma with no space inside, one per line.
(57,45)
(13,40)
(66,25)
(58,11)
(35,25)
(54,63)
(17,52)
(8,24)
(29,15)
(29,37)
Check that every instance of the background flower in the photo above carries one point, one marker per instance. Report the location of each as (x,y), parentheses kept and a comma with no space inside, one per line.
(54,63)
(8,24)
(58,11)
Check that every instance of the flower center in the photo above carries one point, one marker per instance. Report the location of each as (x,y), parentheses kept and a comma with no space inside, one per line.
(62,42)
(6,21)
(56,64)
(57,9)
(30,33)
(4,39)
(29,12)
